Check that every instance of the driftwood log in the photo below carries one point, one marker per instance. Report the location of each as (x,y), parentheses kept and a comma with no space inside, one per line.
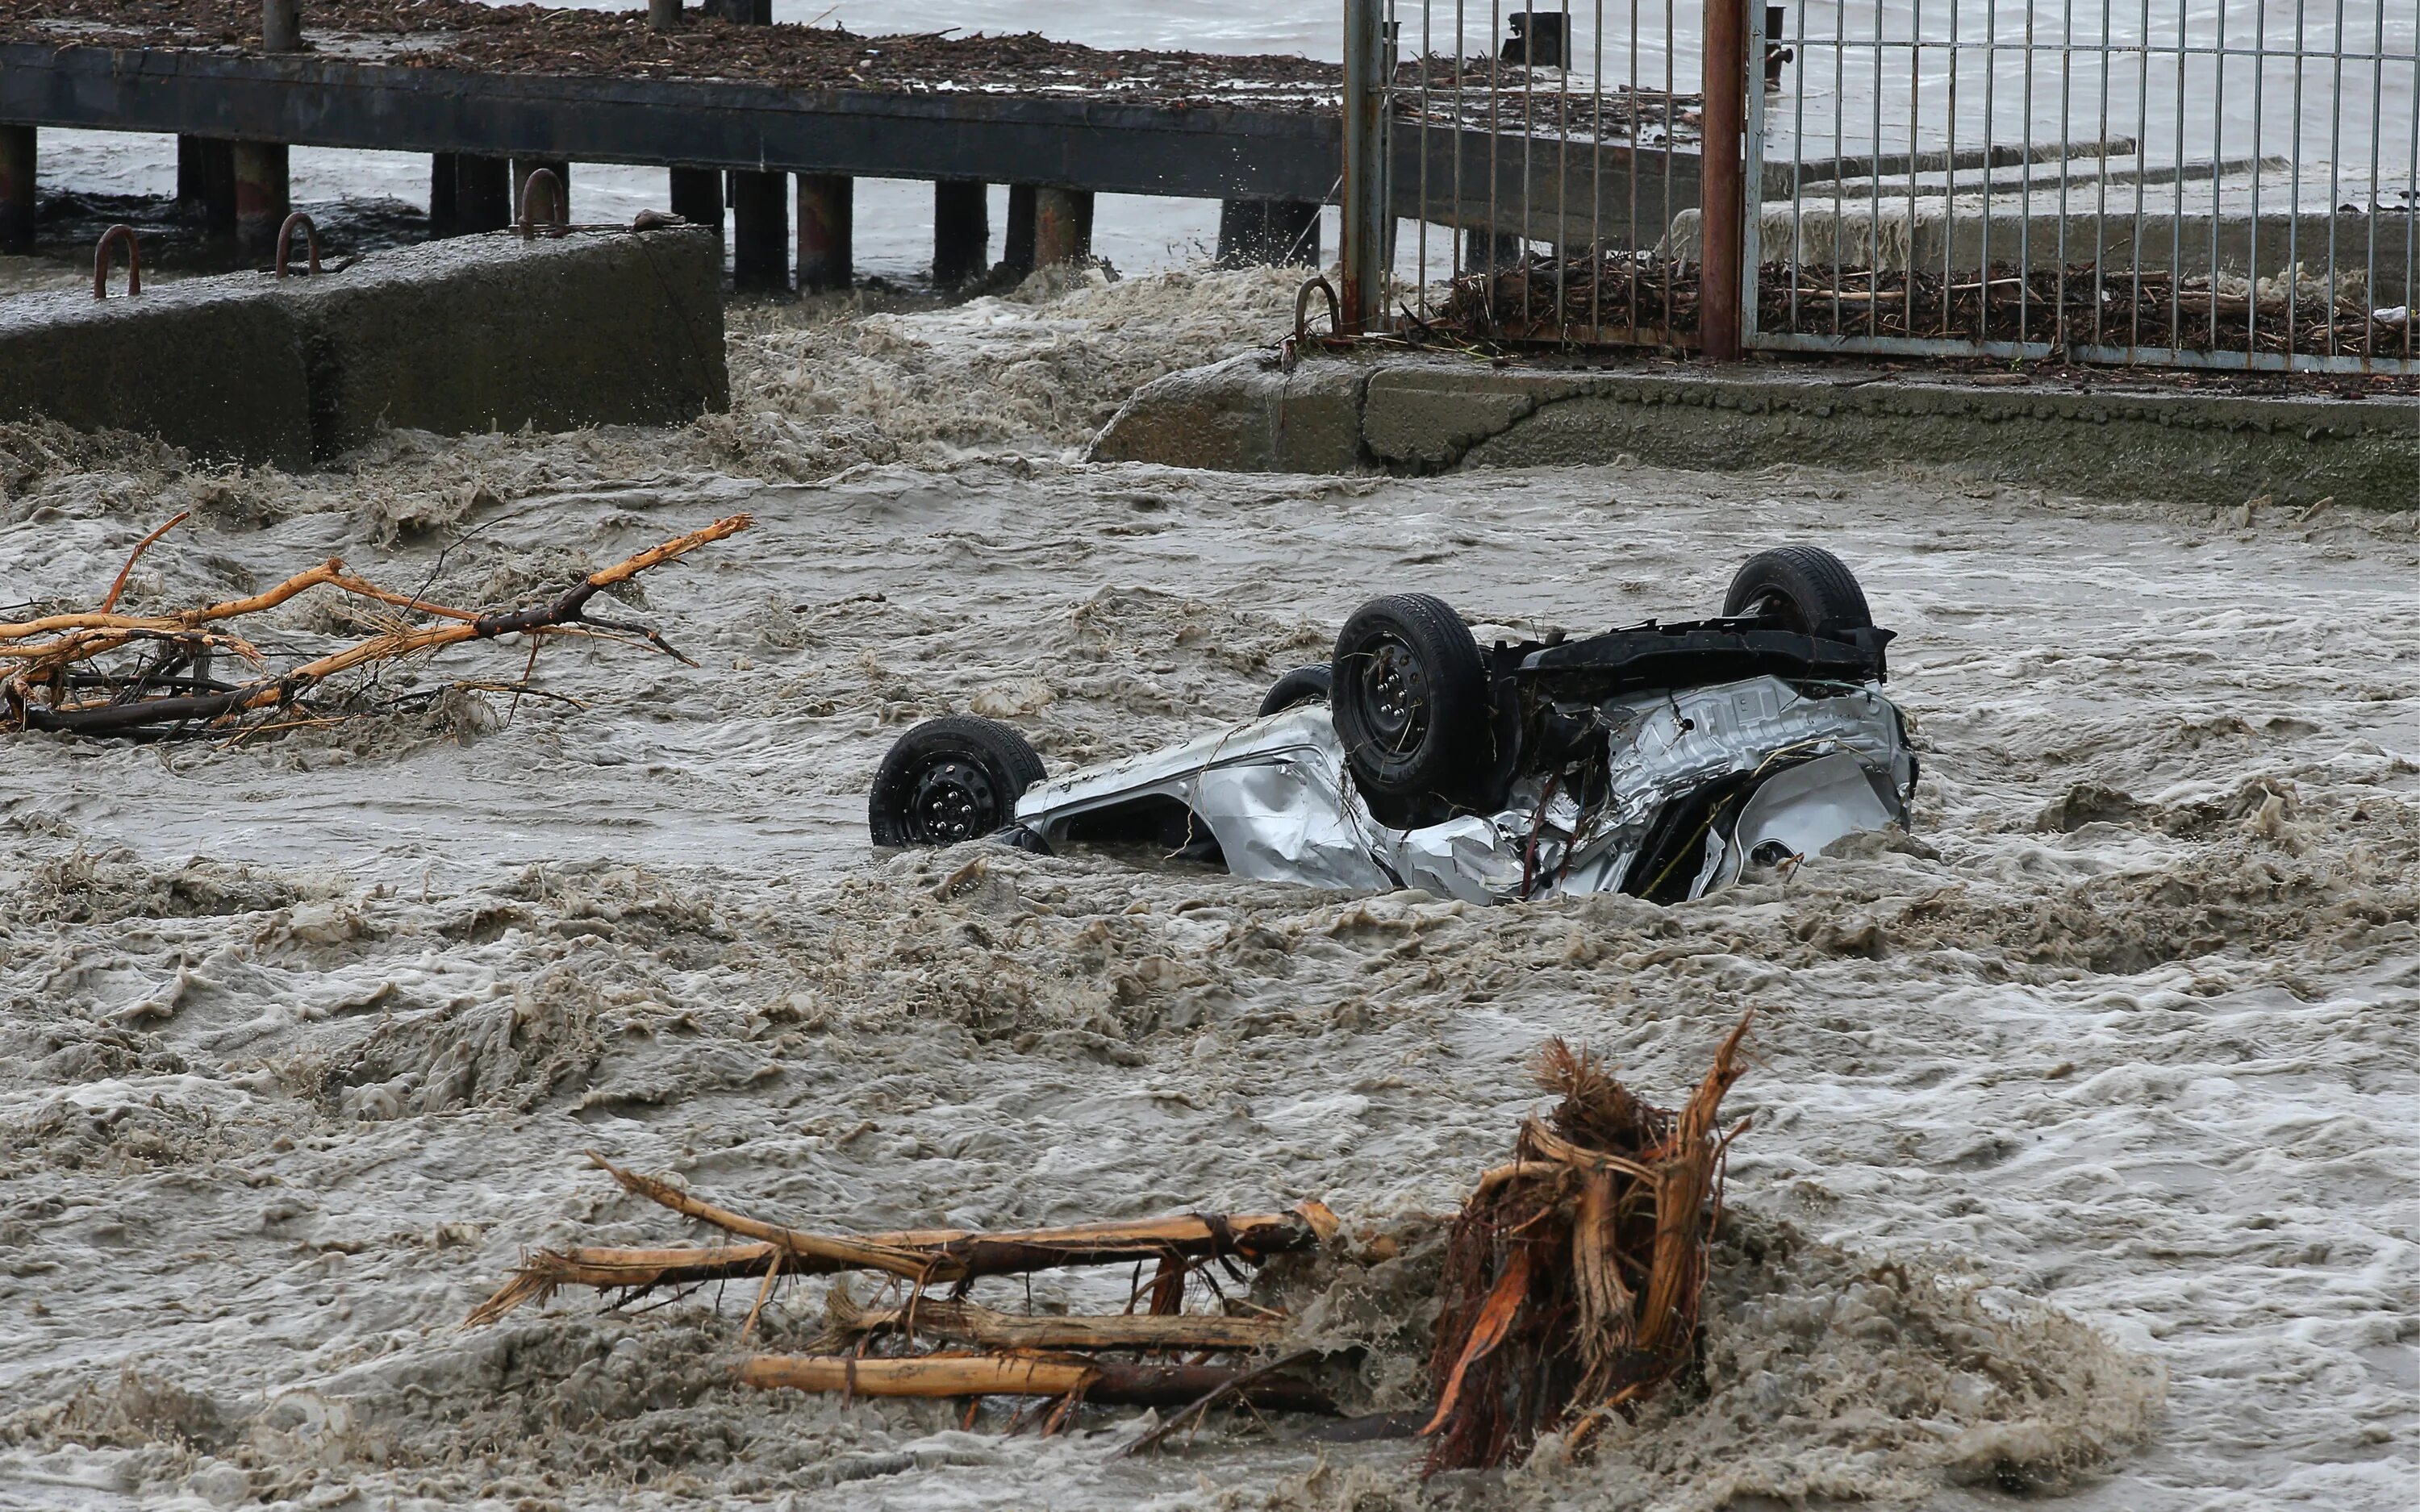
(1108,1382)
(160,677)
(931,1257)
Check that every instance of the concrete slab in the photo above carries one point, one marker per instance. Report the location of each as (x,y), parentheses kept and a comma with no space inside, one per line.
(1422,416)
(466,335)
(213,366)
(493,333)
(1244,415)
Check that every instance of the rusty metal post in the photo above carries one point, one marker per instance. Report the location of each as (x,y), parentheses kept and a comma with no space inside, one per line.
(1722,226)
(260,198)
(663,16)
(281,26)
(827,231)
(1366,212)
(17,147)
(961,231)
(760,230)
(1063,225)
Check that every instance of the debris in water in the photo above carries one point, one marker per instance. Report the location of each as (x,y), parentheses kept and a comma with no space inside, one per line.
(150,676)
(1572,1275)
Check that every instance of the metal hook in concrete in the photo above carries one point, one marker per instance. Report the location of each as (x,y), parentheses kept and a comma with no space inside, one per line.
(1302,308)
(109,239)
(558,212)
(310,242)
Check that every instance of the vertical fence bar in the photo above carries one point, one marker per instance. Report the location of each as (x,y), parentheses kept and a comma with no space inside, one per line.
(1455,229)
(2142,171)
(1797,175)
(2292,274)
(1420,230)
(1562,170)
(1670,81)
(1720,219)
(1495,126)
(2335,148)
(2026,184)
(1365,199)
(2411,215)
(1630,84)
(2377,196)
(1839,150)
(2101,197)
(2252,252)
(1752,176)
(1949,189)
(2177,215)
(1596,174)
(1990,125)
(2065,161)
(2217,167)
(1915,91)
(1529,141)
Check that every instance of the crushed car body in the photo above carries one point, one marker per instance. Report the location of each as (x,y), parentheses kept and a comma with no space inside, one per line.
(1658,760)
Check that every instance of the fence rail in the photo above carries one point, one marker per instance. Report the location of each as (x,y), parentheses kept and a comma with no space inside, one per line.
(2215,183)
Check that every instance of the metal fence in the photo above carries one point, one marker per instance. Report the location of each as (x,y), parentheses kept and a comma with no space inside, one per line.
(2192,183)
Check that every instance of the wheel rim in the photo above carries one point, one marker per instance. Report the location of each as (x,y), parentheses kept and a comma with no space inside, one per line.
(954,800)
(1393,698)
(1772,603)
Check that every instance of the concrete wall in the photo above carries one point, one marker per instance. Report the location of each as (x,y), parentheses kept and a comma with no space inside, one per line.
(213,366)
(466,335)
(491,333)
(1331,415)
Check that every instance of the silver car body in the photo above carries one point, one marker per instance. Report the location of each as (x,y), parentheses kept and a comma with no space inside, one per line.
(1278,796)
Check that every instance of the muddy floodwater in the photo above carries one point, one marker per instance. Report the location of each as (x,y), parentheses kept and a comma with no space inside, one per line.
(2084,1162)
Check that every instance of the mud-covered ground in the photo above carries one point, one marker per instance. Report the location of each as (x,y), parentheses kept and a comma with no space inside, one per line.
(2086,1121)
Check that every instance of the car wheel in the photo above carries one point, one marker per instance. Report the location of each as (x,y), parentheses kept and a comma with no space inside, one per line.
(950,780)
(1803,587)
(1304,685)
(1411,698)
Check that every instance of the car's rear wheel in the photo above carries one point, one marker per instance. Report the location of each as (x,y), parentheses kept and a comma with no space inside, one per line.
(1410,699)
(950,780)
(1304,685)
(1803,588)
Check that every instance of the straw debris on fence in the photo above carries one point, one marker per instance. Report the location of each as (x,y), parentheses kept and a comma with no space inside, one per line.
(104,673)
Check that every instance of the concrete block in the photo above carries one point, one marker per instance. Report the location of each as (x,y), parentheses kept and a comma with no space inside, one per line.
(214,365)
(1422,419)
(1244,415)
(494,331)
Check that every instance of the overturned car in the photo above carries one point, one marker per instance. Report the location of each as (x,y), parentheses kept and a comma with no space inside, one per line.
(1659,760)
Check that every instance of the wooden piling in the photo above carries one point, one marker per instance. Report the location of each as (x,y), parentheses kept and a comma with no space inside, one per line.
(826,224)
(17,145)
(760,231)
(1063,225)
(262,199)
(961,231)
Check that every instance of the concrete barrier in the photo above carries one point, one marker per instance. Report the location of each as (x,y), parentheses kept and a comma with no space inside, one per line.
(468,334)
(1420,416)
(213,366)
(491,333)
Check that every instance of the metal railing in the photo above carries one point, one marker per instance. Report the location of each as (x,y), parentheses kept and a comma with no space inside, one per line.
(2191,182)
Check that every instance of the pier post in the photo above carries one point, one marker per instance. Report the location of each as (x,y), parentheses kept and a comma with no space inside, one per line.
(523,167)
(17,147)
(1017,247)
(1254,231)
(467,194)
(961,231)
(1063,225)
(260,198)
(697,196)
(760,231)
(281,26)
(663,16)
(1484,247)
(827,223)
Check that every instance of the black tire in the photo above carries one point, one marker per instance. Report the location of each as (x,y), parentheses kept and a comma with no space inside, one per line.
(1411,698)
(1805,587)
(950,780)
(1304,685)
